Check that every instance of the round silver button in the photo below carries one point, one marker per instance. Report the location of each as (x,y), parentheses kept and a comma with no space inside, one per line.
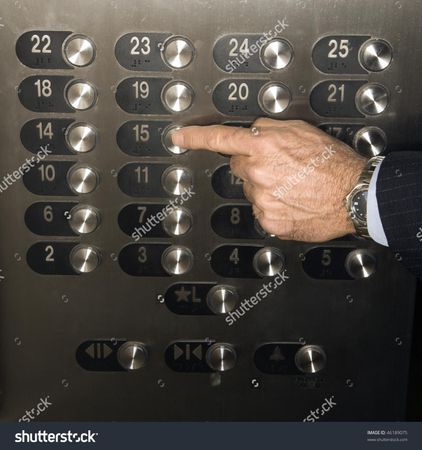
(360,263)
(372,99)
(221,357)
(276,54)
(178,222)
(79,51)
(376,55)
(177,96)
(274,98)
(81,137)
(81,95)
(176,180)
(177,260)
(84,258)
(310,359)
(222,299)
(132,355)
(370,141)
(268,261)
(178,52)
(82,179)
(168,143)
(84,219)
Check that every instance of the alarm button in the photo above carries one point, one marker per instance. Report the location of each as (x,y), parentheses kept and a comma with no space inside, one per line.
(79,51)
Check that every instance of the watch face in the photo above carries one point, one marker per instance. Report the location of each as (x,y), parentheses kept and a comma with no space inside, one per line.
(359,204)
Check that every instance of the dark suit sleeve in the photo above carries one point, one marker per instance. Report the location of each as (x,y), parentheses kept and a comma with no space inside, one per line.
(399,196)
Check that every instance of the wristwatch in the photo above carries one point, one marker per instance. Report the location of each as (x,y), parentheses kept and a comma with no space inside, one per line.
(356,201)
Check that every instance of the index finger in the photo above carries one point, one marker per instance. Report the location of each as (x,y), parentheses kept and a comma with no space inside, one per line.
(217,138)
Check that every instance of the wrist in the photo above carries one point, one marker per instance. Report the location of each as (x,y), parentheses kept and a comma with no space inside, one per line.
(357,200)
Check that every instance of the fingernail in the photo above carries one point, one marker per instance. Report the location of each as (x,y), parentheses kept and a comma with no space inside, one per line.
(178,138)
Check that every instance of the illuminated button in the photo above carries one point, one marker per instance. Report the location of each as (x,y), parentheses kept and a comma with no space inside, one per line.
(178,222)
(132,355)
(81,95)
(360,264)
(177,96)
(274,98)
(222,299)
(372,99)
(82,179)
(177,260)
(176,180)
(376,55)
(84,219)
(81,137)
(268,261)
(370,141)
(178,52)
(168,143)
(221,357)
(84,258)
(276,54)
(310,359)
(79,51)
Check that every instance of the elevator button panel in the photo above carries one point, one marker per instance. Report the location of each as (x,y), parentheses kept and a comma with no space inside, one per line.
(112,230)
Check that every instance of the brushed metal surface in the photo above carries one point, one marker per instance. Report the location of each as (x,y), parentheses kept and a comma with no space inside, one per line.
(43,319)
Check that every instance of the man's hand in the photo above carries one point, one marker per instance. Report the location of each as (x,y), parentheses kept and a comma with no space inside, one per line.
(296,176)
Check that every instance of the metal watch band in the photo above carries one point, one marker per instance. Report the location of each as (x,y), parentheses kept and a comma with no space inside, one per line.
(361,227)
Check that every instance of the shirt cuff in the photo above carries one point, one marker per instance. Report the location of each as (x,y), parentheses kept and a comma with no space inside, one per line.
(375,228)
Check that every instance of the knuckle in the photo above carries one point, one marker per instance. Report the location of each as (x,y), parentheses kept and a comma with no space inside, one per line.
(255,173)
(212,141)
(262,122)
